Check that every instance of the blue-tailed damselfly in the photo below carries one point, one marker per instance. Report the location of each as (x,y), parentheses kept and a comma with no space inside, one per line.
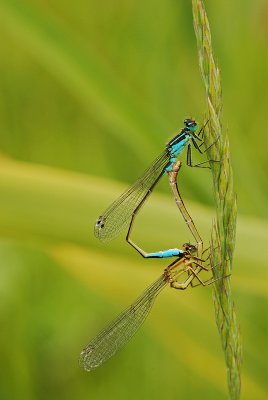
(117,216)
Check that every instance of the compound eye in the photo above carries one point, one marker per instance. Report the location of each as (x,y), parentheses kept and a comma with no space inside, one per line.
(186,122)
(186,246)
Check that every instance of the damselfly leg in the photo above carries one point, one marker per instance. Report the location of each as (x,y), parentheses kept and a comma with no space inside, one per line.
(198,148)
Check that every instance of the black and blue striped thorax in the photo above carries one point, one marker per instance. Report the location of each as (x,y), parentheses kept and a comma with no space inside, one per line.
(176,145)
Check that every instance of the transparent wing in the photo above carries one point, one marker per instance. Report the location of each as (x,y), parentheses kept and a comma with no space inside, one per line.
(116,217)
(112,338)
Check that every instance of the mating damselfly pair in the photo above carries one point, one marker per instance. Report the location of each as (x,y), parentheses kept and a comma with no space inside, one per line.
(123,212)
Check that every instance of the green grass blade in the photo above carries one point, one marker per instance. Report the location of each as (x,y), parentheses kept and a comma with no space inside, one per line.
(224,229)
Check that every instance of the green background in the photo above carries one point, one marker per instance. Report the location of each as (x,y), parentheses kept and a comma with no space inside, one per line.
(90,92)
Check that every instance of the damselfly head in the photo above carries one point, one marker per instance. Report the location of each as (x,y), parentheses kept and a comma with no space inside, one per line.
(189,248)
(190,124)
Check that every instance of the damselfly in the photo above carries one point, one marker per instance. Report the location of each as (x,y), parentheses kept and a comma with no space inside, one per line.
(117,216)
(116,334)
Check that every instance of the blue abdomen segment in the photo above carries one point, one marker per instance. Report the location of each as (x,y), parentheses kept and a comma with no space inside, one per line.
(165,254)
(174,150)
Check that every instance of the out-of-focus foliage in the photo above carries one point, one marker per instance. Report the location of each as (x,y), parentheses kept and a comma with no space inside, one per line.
(92,91)
(82,83)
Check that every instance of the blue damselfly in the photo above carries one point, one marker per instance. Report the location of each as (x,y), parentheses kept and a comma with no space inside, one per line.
(118,215)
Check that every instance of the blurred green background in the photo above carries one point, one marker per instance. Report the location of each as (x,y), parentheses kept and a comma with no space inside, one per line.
(89,94)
